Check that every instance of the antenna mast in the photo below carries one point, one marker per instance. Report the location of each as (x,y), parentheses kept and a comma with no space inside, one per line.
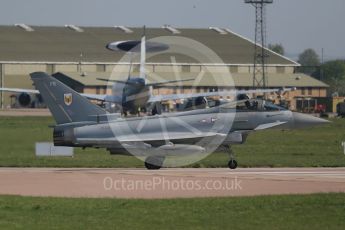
(260,55)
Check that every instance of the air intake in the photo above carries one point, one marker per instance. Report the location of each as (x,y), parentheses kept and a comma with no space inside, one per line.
(219,30)
(25,27)
(171,29)
(124,29)
(74,28)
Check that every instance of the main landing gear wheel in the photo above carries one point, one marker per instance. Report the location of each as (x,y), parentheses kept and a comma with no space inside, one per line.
(154,163)
(232,164)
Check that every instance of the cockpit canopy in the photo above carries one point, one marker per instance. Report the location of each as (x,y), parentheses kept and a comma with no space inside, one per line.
(258,105)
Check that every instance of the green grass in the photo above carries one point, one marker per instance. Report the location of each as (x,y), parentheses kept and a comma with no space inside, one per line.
(313,147)
(17,147)
(320,211)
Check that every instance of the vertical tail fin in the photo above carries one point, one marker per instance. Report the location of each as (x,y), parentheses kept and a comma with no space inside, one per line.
(65,104)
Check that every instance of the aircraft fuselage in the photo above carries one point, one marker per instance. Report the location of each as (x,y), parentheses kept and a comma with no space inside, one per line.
(207,128)
(135,95)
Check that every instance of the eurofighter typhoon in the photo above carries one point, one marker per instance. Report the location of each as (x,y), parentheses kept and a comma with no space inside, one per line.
(79,123)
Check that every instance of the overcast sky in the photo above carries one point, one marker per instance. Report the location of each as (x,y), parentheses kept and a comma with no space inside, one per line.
(297,24)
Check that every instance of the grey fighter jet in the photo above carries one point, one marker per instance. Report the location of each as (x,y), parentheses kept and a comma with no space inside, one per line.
(83,124)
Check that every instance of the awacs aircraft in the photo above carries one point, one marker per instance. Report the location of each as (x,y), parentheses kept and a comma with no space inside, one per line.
(137,91)
(83,124)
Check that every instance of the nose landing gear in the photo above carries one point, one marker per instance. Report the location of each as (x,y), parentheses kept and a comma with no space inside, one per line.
(232,164)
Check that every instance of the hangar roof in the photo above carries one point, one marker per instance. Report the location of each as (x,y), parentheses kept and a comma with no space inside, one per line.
(207,80)
(66,44)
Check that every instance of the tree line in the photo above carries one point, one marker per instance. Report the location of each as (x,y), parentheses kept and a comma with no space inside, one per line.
(331,72)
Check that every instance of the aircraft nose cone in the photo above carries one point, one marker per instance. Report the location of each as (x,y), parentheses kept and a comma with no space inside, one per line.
(304,120)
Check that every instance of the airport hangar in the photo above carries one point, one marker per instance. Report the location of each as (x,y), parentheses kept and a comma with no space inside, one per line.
(80,57)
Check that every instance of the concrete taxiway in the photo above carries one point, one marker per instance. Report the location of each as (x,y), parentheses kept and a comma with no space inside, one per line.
(25,112)
(169,183)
